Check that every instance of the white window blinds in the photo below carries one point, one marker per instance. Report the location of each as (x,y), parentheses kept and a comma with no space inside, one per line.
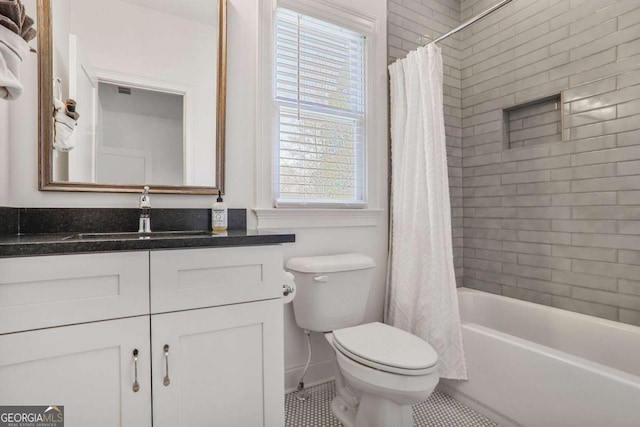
(320,106)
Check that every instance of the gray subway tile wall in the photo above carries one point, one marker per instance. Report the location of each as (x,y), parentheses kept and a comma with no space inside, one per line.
(556,223)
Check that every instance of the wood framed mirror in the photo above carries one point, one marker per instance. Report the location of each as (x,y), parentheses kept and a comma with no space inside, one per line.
(148,78)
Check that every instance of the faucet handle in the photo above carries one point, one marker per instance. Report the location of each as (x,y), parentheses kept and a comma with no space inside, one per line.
(145,200)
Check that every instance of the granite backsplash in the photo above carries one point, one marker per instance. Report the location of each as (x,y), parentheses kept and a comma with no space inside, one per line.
(96,220)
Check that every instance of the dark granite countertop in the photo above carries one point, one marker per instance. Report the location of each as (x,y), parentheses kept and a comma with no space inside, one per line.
(72,243)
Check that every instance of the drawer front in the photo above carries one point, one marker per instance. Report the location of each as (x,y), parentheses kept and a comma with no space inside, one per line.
(194,278)
(40,292)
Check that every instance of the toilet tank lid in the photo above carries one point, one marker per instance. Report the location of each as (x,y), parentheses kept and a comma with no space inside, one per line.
(330,263)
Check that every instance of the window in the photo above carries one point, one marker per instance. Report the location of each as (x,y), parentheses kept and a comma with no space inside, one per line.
(320,113)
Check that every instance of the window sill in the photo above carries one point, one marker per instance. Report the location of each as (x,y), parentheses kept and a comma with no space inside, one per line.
(317,218)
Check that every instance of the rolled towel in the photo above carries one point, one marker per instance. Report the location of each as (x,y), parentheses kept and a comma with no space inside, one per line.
(70,105)
(29,35)
(9,24)
(14,17)
(12,50)
(70,109)
(28,32)
(12,11)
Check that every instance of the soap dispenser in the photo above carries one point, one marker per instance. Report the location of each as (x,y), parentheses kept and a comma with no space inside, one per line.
(219,214)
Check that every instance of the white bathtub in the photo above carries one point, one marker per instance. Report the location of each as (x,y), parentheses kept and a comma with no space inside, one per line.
(532,365)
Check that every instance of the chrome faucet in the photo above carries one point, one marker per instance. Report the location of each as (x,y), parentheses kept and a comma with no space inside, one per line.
(145,212)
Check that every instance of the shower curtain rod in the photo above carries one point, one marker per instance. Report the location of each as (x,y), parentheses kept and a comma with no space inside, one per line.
(472,20)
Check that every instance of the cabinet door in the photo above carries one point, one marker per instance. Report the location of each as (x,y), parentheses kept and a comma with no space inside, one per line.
(225,366)
(88,369)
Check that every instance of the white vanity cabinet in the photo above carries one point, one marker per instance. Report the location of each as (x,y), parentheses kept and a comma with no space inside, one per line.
(218,312)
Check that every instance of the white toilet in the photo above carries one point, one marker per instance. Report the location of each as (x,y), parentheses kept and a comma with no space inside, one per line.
(381,370)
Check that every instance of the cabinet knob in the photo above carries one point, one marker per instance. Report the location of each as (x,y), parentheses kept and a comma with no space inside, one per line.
(166,380)
(136,385)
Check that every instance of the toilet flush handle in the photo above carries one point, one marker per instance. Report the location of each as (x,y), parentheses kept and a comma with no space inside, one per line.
(321,278)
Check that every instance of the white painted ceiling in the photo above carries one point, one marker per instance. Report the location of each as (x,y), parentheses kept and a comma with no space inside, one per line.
(203,11)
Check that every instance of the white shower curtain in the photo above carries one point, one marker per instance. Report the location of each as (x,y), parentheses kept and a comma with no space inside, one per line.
(422,296)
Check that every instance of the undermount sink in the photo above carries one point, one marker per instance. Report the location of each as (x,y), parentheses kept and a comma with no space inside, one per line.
(134,235)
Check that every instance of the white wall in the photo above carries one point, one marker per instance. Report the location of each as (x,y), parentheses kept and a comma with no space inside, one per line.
(146,121)
(242,118)
(160,137)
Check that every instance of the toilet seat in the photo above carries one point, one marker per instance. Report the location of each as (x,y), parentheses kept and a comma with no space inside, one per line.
(386,348)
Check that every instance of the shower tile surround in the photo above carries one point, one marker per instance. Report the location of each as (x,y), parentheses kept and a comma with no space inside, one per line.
(556,223)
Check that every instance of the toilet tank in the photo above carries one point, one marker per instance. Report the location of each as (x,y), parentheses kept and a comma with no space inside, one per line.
(332,291)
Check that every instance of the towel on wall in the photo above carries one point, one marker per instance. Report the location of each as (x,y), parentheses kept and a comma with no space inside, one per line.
(13,49)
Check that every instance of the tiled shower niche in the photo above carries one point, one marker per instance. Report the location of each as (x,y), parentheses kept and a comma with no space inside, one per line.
(533,123)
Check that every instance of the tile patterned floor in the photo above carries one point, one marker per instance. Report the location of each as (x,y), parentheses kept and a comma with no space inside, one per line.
(439,410)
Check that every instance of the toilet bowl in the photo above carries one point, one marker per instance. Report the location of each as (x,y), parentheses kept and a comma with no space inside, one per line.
(380,370)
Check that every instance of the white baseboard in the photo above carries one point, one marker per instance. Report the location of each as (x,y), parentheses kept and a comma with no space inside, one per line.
(318,373)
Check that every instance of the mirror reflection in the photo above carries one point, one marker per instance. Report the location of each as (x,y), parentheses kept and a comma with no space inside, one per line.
(144,77)
(141,136)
